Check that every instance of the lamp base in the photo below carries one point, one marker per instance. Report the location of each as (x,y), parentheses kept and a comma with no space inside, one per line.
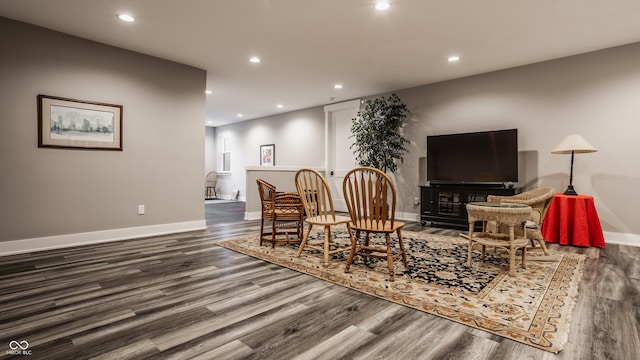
(570,190)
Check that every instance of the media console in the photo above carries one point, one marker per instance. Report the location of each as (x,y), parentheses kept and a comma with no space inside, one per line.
(446,204)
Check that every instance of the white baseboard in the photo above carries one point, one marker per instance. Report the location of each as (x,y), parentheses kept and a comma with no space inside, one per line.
(621,239)
(403,216)
(254,215)
(609,237)
(94,237)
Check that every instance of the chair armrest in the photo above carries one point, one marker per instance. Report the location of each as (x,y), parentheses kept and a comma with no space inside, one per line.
(535,200)
(496,198)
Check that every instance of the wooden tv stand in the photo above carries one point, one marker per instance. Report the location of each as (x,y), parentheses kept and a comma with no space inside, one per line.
(446,204)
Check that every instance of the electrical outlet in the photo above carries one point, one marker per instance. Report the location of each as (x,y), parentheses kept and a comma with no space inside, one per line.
(416,201)
(140,209)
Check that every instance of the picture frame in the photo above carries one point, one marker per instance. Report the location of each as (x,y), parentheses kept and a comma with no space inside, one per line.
(78,124)
(267,155)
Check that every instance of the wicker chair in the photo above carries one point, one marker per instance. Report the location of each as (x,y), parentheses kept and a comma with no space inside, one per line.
(512,217)
(318,207)
(539,200)
(285,213)
(210,183)
(371,199)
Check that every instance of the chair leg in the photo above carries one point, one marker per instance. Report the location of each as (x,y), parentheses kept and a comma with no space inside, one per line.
(273,233)
(512,261)
(352,253)
(301,226)
(261,230)
(327,242)
(387,237)
(404,253)
(305,238)
(512,253)
(543,246)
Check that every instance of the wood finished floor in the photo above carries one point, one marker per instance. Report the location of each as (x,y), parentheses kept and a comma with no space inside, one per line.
(182,297)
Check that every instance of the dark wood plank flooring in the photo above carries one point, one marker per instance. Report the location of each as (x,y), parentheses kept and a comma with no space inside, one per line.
(182,297)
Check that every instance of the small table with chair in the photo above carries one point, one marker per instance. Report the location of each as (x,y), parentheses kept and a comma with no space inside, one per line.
(512,216)
(539,199)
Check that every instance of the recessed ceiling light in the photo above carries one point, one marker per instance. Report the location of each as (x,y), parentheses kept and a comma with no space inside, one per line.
(382,5)
(126,17)
(337,86)
(208,92)
(254,59)
(279,106)
(209,122)
(239,115)
(453,58)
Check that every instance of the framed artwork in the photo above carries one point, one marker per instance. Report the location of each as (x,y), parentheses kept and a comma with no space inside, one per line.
(78,124)
(267,155)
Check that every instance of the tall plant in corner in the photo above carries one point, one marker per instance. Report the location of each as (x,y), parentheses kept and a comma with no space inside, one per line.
(377,131)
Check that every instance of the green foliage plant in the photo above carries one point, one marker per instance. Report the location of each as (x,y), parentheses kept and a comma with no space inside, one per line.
(377,132)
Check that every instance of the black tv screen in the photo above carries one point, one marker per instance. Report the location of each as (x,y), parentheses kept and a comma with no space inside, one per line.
(480,157)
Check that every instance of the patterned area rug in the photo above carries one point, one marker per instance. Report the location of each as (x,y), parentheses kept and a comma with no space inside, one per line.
(534,307)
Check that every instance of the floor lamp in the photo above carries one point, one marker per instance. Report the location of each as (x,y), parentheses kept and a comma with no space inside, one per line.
(573,144)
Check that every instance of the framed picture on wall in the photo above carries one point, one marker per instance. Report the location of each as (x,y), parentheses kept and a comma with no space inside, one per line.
(267,155)
(78,124)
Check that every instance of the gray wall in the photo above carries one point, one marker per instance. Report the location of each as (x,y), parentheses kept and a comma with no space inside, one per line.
(47,192)
(209,150)
(298,137)
(593,94)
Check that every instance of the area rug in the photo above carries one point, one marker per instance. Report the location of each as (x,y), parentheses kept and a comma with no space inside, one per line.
(534,307)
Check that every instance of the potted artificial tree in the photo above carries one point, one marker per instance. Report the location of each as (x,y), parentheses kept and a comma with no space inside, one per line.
(377,131)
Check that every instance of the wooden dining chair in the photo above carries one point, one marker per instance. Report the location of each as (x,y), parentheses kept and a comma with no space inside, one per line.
(210,183)
(318,207)
(371,199)
(284,212)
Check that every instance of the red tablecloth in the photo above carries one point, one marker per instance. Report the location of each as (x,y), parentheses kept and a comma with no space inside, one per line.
(573,220)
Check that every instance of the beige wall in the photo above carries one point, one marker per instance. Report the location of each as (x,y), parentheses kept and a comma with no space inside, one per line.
(50,192)
(593,94)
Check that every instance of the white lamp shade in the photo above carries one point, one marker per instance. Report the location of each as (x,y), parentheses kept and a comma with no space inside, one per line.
(574,143)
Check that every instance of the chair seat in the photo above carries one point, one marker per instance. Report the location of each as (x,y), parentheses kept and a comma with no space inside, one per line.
(284,212)
(328,220)
(378,227)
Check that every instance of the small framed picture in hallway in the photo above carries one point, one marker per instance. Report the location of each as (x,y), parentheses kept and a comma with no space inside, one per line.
(267,155)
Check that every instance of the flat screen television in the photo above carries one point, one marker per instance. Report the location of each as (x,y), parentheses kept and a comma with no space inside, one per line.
(483,158)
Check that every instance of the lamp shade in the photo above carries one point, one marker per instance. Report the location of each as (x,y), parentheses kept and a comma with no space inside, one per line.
(574,143)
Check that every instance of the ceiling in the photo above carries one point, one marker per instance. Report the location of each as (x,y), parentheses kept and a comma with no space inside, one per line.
(308,46)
